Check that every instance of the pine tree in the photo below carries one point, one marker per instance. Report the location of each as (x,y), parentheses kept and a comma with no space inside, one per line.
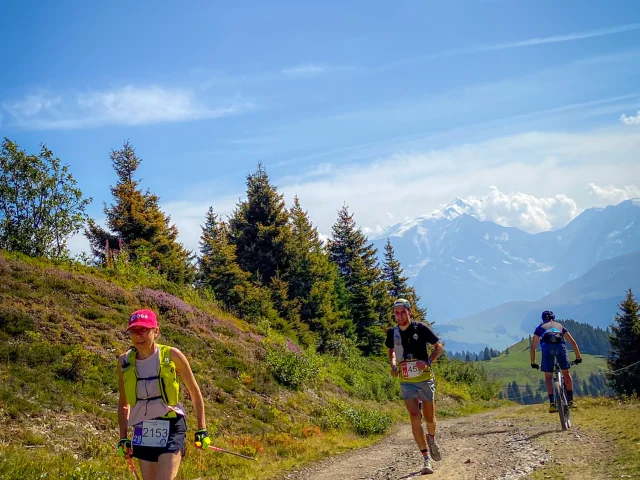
(259,229)
(542,387)
(514,391)
(312,278)
(369,334)
(485,354)
(577,385)
(467,358)
(369,301)
(397,283)
(528,395)
(218,268)
(136,221)
(625,348)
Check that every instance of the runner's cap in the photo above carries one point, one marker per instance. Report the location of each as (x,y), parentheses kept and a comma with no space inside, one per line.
(401,302)
(143,318)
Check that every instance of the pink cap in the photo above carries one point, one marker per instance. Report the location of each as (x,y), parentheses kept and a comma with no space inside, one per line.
(143,318)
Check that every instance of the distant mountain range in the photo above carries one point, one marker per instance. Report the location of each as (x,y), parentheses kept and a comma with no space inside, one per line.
(461,265)
(592,298)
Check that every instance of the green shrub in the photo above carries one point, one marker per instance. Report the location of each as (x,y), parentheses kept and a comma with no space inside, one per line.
(292,369)
(91,313)
(340,415)
(76,365)
(14,321)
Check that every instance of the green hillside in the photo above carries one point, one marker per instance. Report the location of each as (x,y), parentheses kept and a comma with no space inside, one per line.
(515,365)
(62,327)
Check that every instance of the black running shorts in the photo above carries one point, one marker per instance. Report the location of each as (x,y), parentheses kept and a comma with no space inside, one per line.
(177,441)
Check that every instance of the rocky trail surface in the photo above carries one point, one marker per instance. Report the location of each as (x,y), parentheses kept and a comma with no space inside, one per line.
(490,445)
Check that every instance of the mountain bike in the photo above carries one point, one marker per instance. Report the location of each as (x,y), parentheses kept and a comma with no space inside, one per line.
(560,396)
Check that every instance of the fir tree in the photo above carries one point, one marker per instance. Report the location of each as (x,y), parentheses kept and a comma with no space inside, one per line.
(370,337)
(259,229)
(485,354)
(528,395)
(312,278)
(136,221)
(347,243)
(397,283)
(369,301)
(625,348)
(218,269)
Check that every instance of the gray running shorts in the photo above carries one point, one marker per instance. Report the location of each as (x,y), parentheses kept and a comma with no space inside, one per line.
(424,391)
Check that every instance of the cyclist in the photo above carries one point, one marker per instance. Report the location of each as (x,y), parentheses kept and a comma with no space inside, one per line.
(551,336)
(407,344)
(149,401)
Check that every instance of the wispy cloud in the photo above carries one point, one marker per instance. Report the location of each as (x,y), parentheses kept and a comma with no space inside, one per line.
(304,70)
(630,120)
(531,42)
(129,105)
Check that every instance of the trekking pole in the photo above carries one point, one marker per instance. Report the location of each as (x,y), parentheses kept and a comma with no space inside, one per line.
(229,452)
(232,453)
(133,468)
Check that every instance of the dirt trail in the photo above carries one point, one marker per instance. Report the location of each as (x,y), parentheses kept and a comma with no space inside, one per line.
(483,446)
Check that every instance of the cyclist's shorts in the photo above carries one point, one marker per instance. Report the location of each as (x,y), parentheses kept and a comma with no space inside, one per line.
(424,391)
(177,441)
(551,351)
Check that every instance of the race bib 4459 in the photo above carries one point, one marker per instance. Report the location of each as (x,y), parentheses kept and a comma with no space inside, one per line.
(151,433)
(409,370)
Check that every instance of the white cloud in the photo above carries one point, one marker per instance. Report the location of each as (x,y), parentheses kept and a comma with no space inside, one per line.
(525,211)
(304,70)
(613,195)
(632,120)
(552,169)
(129,105)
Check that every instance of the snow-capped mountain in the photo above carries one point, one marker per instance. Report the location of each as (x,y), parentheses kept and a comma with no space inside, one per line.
(461,265)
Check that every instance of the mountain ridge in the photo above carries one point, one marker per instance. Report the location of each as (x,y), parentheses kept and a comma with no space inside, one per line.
(592,298)
(461,265)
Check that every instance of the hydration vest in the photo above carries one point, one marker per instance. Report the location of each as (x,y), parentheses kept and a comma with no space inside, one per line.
(168,385)
(553,333)
(399,351)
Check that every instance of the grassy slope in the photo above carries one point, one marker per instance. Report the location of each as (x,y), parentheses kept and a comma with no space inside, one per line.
(610,448)
(516,365)
(57,420)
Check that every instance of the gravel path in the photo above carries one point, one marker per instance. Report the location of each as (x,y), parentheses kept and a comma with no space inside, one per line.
(481,446)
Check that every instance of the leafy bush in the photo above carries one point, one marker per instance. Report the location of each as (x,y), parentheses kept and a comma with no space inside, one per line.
(14,321)
(472,377)
(91,313)
(292,369)
(340,415)
(76,365)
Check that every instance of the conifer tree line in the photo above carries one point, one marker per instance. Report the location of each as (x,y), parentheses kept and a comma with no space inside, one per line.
(595,385)
(266,262)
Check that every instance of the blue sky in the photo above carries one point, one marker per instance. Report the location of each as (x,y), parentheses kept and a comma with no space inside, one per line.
(392,107)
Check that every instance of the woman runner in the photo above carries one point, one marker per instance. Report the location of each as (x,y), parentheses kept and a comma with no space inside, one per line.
(149,392)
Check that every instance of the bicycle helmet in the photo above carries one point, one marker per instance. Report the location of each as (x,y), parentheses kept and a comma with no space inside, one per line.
(547,316)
